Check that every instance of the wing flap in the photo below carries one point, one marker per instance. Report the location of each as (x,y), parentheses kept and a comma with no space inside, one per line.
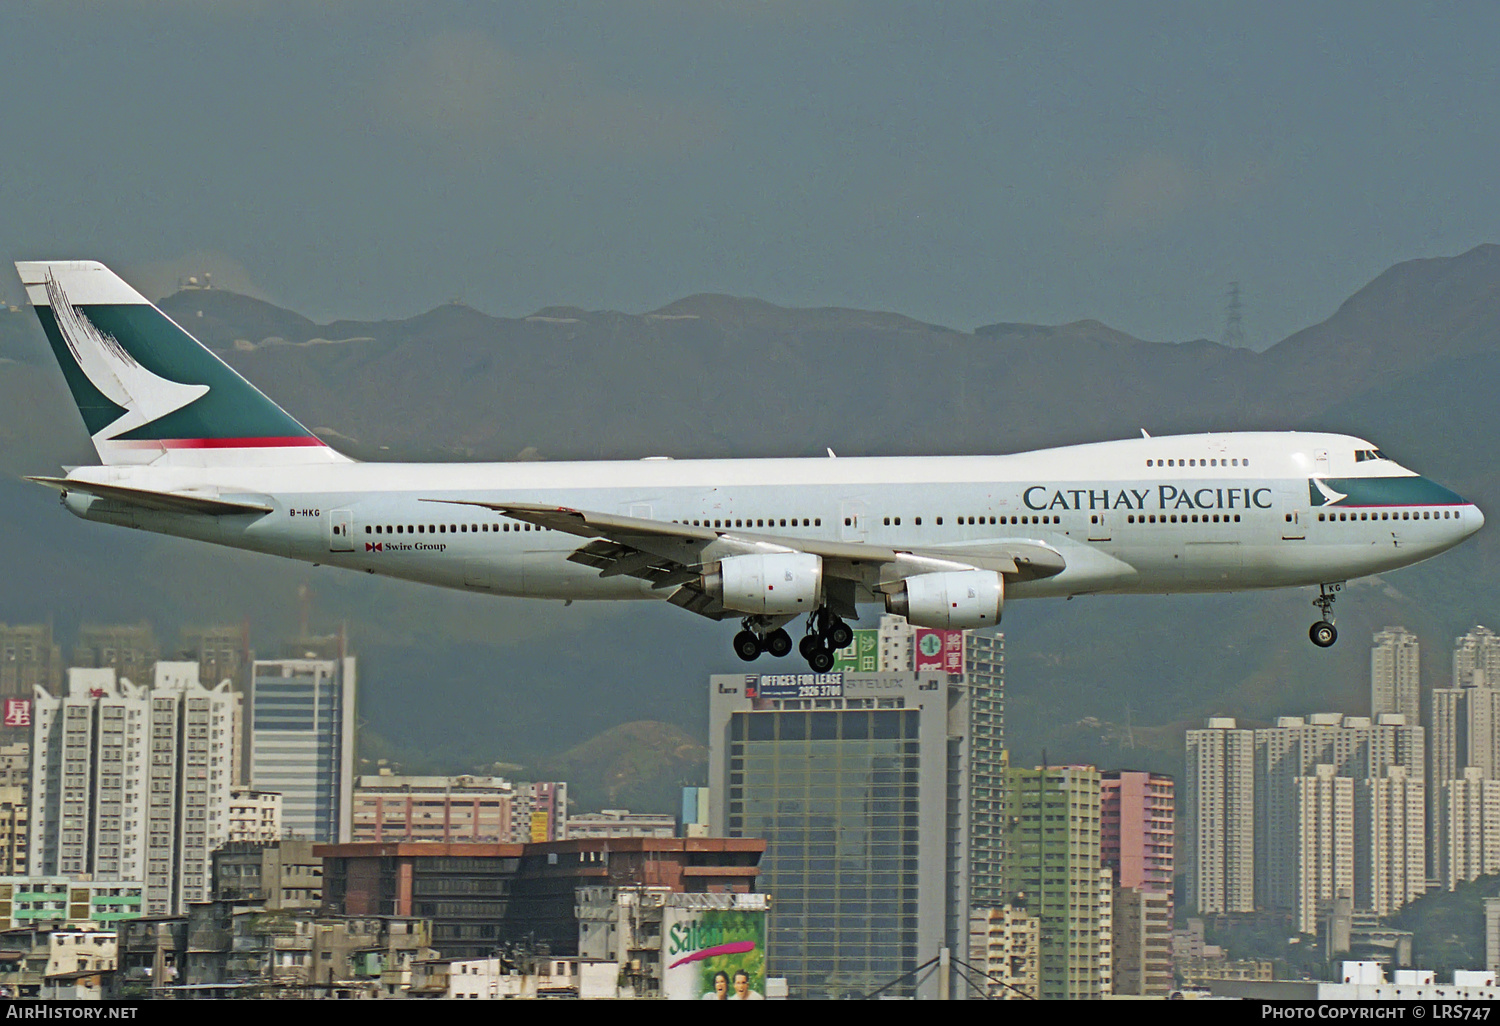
(160,502)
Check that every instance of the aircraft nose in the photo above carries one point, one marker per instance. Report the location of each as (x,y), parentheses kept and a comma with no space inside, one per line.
(1476,519)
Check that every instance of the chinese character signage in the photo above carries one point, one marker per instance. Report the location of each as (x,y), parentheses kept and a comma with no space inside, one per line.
(861,656)
(939,651)
(18,712)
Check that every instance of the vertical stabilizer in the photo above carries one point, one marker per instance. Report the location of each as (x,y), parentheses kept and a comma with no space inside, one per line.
(147,390)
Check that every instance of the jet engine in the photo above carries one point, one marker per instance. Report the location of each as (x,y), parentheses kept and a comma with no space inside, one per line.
(770,584)
(959,600)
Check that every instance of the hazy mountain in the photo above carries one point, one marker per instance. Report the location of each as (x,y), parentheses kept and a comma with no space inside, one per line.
(1410,361)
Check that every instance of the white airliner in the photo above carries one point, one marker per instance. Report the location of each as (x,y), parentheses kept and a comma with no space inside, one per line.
(190,448)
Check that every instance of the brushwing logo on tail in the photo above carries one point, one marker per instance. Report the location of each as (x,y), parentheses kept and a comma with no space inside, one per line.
(144,396)
(1319,494)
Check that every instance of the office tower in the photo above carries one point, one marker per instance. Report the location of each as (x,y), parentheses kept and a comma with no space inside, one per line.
(1354,747)
(1219,803)
(1396,674)
(1142,941)
(1468,827)
(28,658)
(1137,829)
(1322,844)
(1052,869)
(128,649)
(1390,840)
(302,740)
(1477,650)
(132,783)
(1005,946)
(860,792)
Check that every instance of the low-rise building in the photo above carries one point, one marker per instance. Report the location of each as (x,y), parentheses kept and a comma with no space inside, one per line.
(621,823)
(60,900)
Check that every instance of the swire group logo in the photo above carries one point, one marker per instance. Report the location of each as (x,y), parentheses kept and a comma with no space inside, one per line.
(374,547)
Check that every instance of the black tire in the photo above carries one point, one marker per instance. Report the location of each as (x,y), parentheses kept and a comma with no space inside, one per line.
(808,645)
(821,661)
(840,635)
(1323,634)
(778,642)
(746,645)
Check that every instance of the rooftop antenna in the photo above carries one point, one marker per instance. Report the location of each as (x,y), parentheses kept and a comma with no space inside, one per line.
(1234,330)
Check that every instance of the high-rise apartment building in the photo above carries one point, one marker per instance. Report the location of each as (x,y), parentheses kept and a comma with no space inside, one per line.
(1219,803)
(223,653)
(859,784)
(302,740)
(132,783)
(1396,674)
(1477,650)
(128,649)
(1141,933)
(1468,815)
(1322,844)
(1005,946)
(1052,869)
(1355,748)
(1465,735)
(1137,829)
(1390,840)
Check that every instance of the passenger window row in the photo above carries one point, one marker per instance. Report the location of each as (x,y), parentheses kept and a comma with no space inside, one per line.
(753,522)
(1199,463)
(1425,514)
(1184,518)
(449,528)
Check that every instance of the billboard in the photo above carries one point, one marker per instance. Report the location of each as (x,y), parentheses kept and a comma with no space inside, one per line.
(940,651)
(795,685)
(713,954)
(861,656)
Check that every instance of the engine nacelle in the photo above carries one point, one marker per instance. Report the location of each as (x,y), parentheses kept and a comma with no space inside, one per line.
(771,584)
(958,600)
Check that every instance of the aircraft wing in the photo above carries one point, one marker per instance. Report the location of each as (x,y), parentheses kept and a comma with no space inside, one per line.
(673,555)
(161,502)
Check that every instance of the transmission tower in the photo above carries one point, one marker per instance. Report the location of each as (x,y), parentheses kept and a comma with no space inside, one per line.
(1234,331)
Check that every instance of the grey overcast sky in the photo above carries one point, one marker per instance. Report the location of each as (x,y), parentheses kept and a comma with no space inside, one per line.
(963,163)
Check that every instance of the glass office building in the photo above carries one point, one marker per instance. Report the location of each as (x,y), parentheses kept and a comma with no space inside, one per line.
(861,794)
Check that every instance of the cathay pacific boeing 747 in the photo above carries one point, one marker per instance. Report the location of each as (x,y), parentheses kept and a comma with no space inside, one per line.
(189,448)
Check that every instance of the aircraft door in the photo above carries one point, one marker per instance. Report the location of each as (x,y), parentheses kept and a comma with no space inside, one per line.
(1099,526)
(1293,527)
(852,526)
(340,530)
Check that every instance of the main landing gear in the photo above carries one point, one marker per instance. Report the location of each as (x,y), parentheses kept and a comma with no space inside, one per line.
(826,634)
(1324,633)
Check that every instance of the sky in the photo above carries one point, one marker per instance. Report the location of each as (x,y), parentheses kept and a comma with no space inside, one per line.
(962,163)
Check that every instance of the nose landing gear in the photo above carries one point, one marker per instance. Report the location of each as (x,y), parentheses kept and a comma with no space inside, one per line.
(1324,633)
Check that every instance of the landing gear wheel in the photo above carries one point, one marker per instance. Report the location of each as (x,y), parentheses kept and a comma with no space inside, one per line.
(808,645)
(820,660)
(840,634)
(746,645)
(778,642)
(1323,634)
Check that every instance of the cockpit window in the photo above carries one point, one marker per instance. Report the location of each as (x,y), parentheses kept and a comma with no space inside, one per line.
(1360,455)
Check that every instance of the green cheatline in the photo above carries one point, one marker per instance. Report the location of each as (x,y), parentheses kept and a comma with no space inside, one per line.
(1382,491)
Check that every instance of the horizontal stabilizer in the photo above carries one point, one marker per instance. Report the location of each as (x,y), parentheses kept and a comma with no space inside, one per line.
(161,502)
